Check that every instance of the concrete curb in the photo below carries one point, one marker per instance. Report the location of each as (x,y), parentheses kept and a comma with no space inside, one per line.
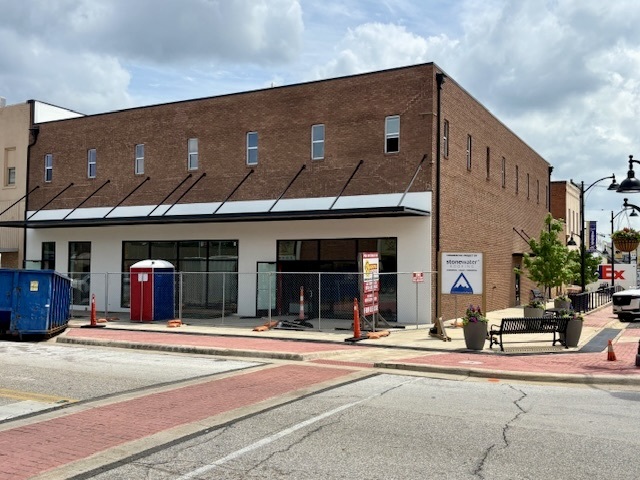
(182,349)
(577,378)
(604,379)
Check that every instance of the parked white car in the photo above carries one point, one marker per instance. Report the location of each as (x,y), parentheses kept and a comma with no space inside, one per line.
(626,304)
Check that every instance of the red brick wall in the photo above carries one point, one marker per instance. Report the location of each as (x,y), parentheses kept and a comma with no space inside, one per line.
(478,214)
(353,110)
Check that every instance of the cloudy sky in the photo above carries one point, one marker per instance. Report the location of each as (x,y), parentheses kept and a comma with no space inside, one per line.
(562,74)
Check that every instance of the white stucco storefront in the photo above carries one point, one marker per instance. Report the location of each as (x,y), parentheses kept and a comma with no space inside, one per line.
(257,242)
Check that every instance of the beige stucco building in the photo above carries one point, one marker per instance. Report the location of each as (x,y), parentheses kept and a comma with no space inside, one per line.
(14,144)
(15,136)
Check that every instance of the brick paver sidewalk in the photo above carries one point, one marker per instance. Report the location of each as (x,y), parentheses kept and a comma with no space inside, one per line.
(38,447)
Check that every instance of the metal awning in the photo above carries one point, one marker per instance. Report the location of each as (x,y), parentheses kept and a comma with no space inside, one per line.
(372,212)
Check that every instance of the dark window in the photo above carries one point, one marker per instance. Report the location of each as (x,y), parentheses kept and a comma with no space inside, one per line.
(445,139)
(197,259)
(80,271)
(48,255)
(488,163)
(91,163)
(392,134)
(48,167)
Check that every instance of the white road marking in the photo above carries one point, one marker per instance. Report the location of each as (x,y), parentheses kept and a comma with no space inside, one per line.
(274,437)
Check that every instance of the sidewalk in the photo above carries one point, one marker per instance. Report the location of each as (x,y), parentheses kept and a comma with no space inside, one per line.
(527,357)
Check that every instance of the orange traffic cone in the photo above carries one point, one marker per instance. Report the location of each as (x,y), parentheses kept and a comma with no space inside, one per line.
(94,321)
(357,335)
(301,314)
(611,355)
(356,319)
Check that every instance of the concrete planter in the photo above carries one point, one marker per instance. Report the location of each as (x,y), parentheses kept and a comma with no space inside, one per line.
(475,334)
(533,312)
(574,330)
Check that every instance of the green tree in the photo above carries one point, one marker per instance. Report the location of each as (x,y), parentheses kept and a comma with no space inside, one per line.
(591,263)
(550,263)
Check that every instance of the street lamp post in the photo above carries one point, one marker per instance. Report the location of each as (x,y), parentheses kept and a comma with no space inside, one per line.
(613,248)
(635,209)
(613,186)
(630,184)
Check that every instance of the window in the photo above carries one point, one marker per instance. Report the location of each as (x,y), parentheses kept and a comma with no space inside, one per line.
(48,167)
(469,143)
(392,134)
(546,196)
(9,167)
(139,161)
(218,258)
(528,186)
(48,256)
(252,148)
(317,142)
(80,271)
(488,163)
(192,161)
(537,191)
(91,163)
(504,172)
(445,139)
(517,182)
(11,175)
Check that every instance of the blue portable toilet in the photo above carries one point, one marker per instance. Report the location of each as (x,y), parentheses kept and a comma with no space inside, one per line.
(34,302)
(152,291)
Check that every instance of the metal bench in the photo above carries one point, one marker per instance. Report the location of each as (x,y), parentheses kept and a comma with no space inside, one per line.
(553,325)
(536,295)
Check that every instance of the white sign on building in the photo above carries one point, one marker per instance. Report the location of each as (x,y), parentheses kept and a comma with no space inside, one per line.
(462,273)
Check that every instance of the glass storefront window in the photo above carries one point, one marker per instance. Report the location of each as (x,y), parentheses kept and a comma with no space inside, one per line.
(199,257)
(165,251)
(135,250)
(80,271)
(48,255)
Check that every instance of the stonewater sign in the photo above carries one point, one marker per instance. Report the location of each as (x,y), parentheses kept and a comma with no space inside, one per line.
(462,273)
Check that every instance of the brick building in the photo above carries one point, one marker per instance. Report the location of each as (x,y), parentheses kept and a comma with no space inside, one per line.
(296,178)
(565,204)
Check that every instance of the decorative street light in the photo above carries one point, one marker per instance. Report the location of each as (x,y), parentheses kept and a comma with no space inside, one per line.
(614,186)
(613,248)
(630,184)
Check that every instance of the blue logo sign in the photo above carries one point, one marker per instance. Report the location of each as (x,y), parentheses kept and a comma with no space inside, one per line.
(461,285)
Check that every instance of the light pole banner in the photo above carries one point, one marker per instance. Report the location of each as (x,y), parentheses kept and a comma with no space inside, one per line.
(593,236)
(462,273)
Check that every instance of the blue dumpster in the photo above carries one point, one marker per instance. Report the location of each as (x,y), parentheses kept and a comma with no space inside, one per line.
(34,302)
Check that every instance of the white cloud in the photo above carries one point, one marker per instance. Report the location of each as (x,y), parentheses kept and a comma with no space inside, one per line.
(80,54)
(375,46)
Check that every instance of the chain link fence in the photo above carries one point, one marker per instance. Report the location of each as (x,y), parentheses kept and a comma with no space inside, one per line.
(319,300)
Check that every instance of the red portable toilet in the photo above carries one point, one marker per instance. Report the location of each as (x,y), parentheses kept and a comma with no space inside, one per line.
(152,291)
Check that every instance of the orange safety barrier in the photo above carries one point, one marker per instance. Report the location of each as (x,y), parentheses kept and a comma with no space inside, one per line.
(380,334)
(266,326)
